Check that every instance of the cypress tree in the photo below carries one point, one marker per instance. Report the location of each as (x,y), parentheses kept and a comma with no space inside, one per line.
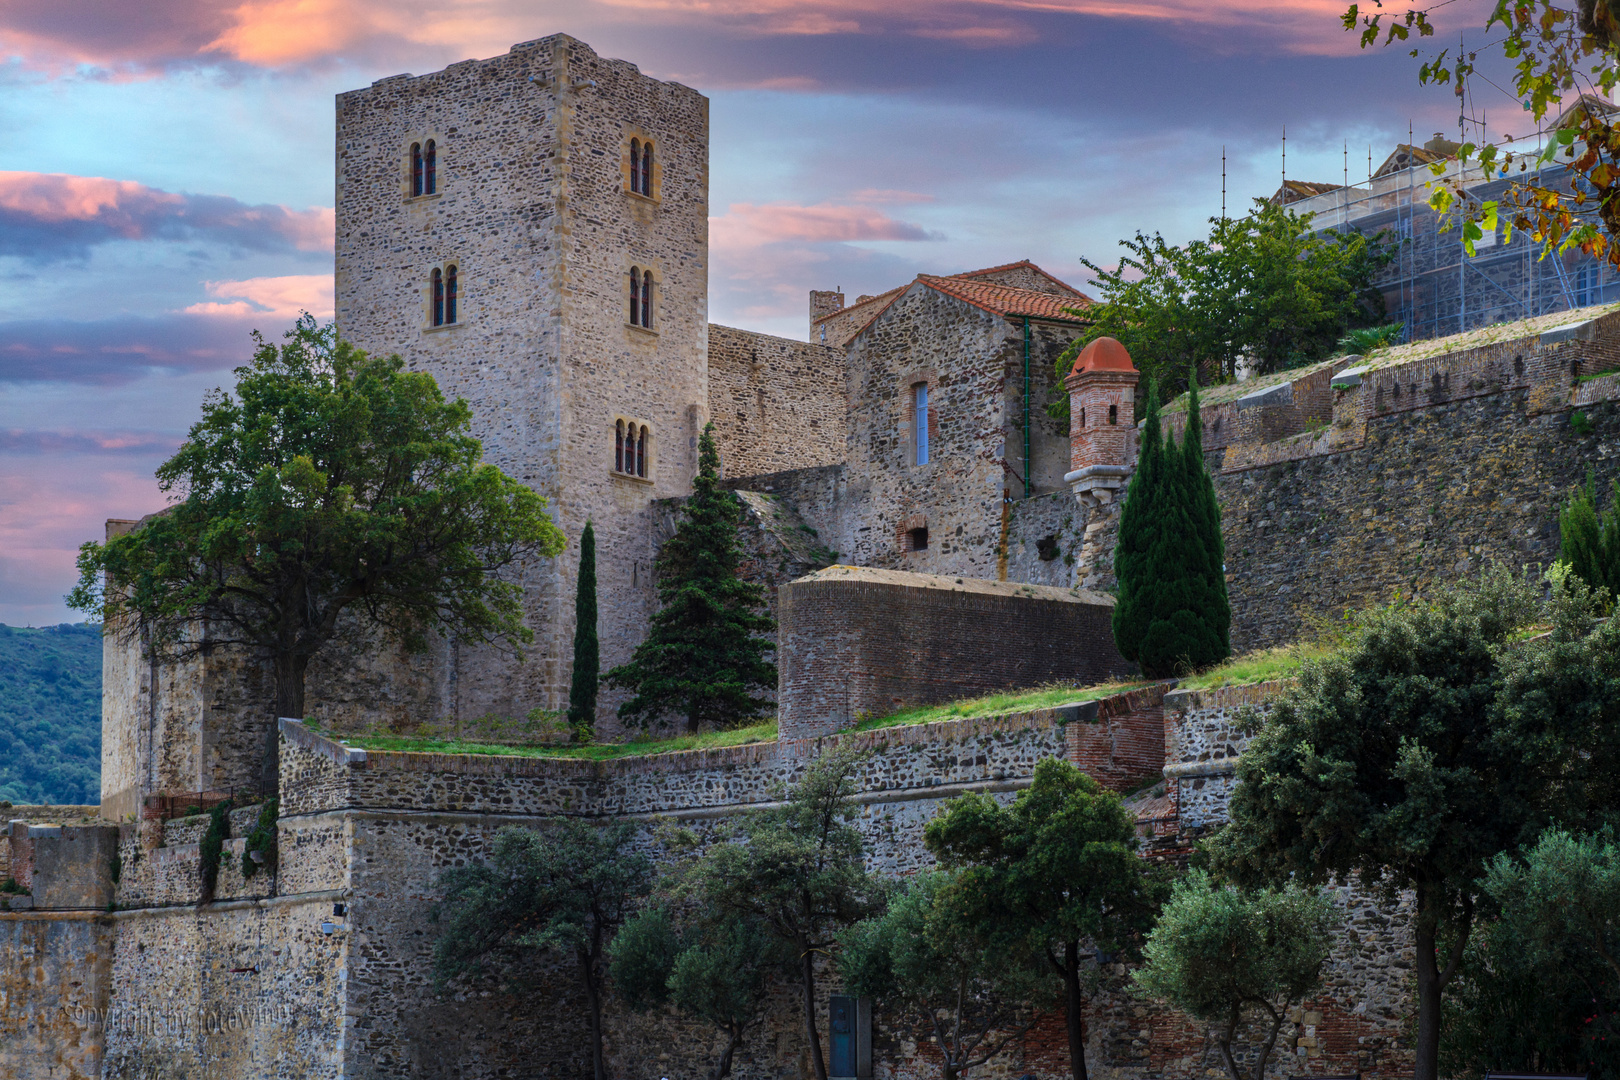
(1588,541)
(704,656)
(1172,612)
(1137,528)
(587,652)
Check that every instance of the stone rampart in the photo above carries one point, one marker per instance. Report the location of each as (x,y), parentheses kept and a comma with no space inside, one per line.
(856,641)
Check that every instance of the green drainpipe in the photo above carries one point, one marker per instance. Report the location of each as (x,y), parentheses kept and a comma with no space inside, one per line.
(1027,486)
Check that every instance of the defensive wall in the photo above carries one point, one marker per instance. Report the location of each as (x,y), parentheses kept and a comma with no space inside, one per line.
(324,968)
(857,641)
(1342,484)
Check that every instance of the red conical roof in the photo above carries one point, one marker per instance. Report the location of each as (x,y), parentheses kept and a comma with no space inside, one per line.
(1104,354)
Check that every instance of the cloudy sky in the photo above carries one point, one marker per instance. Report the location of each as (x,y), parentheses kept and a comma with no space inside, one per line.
(167,182)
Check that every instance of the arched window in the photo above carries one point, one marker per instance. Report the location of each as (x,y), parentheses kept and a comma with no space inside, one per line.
(430,168)
(618,447)
(416,168)
(635,296)
(450,294)
(635,166)
(646,170)
(641,454)
(438,297)
(646,299)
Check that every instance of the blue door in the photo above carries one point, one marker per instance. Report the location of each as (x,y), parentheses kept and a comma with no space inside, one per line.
(841,1025)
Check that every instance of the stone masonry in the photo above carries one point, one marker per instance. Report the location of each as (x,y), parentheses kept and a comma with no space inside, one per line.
(857,642)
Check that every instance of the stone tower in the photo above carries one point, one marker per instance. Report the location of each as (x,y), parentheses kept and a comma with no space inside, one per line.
(1102,429)
(533,231)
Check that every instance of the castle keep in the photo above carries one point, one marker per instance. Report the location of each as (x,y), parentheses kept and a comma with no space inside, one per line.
(927,530)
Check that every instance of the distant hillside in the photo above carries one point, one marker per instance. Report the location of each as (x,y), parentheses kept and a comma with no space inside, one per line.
(50,714)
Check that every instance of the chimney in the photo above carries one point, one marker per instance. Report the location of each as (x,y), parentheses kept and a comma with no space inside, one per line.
(823,304)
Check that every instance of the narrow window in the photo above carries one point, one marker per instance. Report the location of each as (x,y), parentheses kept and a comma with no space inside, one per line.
(646,170)
(1113,414)
(918,538)
(618,447)
(1082,417)
(438,298)
(646,299)
(450,294)
(430,168)
(635,296)
(416,168)
(919,416)
(635,166)
(641,454)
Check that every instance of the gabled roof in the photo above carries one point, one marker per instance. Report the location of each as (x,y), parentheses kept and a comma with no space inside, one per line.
(1408,156)
(1295,190)
(1007,299)
(1025,264)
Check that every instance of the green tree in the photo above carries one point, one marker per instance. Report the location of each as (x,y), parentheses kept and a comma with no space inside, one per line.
(1589,541)
(1172,613)
(331,483)
(1219,953)
(798,872)
(1047,874)
(566,889)
(1539,986)
(922,961)
(587,653)
(1429,742)
(1262,289)
(719,971)
(704,654)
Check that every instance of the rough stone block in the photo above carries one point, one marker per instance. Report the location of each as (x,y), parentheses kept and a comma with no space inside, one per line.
(73,865)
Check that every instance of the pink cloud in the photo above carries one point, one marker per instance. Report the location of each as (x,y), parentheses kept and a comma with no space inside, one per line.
(45,216)
(751,224)
(282,33)
(281,297)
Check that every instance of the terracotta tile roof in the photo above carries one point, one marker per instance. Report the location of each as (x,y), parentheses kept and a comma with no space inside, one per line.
(1007,300)
(1015,265)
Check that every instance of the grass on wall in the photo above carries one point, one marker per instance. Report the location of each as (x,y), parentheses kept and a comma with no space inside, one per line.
(1265,665)
(596,752)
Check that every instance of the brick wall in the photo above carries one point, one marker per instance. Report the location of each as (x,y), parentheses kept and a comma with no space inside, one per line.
(775,403)
(856,641)
(1124,744)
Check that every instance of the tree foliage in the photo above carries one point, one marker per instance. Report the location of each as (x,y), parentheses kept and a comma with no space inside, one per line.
(587,650)
(798,872)
(566,889)
(1589,541)
(1262,289)
(331,482)
(1219,953)
(1539,988)
(50,714)
(1559,54)
(1432,740)
(704,654)
(1172,613)
(929,966)
(1048,874)
(717,970)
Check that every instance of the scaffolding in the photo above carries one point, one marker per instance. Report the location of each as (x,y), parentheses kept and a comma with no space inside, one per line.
(1432,285)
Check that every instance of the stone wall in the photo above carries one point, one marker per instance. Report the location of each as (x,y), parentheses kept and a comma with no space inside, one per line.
(775,403)
(855,641)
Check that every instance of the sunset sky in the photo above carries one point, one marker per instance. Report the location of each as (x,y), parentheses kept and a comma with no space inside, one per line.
(167,182)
